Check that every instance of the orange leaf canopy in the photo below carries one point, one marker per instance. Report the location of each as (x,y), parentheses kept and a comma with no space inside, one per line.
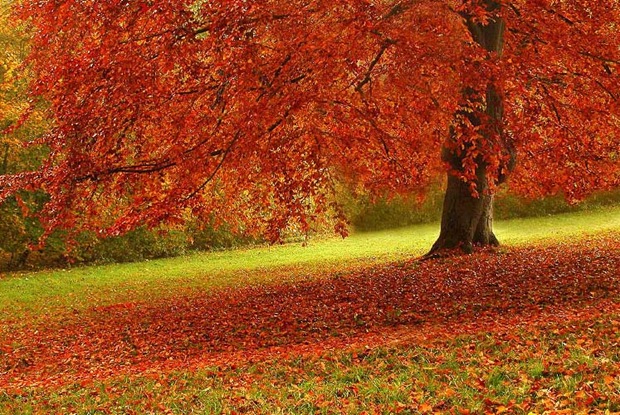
(253,111)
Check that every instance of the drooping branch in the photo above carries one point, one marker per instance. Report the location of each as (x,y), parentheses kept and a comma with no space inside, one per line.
(216,170)
(367,77)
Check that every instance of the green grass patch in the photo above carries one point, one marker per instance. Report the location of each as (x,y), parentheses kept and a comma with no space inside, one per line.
(51,292)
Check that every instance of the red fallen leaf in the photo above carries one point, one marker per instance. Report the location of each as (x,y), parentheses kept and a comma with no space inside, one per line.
(251,323)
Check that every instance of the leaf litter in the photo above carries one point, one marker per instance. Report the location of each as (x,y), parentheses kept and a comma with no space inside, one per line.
(410,301)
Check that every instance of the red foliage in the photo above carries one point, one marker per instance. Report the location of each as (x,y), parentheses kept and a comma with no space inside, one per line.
(419,300)
(249,110)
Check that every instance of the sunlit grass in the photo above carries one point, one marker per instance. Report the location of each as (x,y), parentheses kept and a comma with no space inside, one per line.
(41,292)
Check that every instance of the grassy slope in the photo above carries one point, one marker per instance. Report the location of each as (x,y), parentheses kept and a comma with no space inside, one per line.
(564,366)
(44,292)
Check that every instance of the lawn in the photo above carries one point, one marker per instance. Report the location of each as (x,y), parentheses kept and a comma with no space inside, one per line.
(40,292)
(340,326)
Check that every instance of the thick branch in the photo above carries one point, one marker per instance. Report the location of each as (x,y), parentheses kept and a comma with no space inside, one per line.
(600,58)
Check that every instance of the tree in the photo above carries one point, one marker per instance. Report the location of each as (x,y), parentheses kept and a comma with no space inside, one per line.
(254,109)
(467,216)
(13,49)
(15,229)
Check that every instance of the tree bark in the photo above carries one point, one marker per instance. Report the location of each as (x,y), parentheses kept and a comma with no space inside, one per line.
(467,219)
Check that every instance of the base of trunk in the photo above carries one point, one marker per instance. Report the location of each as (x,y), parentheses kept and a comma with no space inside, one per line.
(467,221)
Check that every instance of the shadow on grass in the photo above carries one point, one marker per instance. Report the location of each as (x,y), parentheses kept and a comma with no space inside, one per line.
(439,295)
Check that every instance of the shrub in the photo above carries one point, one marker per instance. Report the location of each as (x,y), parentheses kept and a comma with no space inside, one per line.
(137,245)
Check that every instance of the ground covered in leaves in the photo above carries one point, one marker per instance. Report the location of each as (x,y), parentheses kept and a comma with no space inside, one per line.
(519,330)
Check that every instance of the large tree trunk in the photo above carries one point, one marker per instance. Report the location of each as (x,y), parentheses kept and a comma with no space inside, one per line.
(467,219)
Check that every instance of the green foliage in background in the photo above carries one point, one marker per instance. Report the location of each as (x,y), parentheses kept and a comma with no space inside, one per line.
(509,206)
(384,213)
(367,214)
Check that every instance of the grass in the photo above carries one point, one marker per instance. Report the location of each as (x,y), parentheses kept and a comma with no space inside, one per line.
(467,374)
(549,368)
(46,292)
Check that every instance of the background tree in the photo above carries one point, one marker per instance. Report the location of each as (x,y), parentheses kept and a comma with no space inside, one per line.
(17,231)
(253,110)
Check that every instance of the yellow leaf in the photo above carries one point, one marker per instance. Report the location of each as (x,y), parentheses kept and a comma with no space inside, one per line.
(449,392)
(581,395)
(425,408)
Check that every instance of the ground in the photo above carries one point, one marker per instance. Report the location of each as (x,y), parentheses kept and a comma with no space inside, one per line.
(532,327)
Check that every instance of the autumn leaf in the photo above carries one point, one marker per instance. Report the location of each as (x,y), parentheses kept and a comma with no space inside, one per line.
(253,115)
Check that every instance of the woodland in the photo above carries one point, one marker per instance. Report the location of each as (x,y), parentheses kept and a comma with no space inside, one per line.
(366,206)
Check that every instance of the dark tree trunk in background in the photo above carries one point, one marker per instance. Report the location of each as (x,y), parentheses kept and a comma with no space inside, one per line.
(4,168)
(467,220)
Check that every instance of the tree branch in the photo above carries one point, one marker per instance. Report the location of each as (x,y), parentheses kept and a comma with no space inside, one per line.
(600,58)
(367,77)
(217,168)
